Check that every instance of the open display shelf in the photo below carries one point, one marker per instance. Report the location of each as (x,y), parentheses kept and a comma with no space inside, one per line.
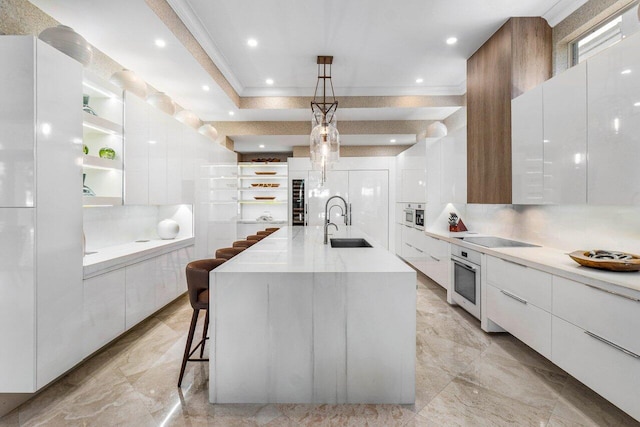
(250,209)
(102,123)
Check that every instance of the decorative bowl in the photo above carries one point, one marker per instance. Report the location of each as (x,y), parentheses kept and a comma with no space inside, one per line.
(130,81)
(208,130)
(189,118)
(162,102)
(265,173)
(68,42)
(583,258)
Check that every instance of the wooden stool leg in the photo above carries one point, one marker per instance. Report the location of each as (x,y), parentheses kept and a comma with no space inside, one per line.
(204,333)
(187,348)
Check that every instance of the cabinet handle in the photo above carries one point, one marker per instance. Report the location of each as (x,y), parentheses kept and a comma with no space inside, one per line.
(408,245)
(514,263)
(434,258)
(616,346)
(408,226)
(613,293)
(419,250)
(517,298)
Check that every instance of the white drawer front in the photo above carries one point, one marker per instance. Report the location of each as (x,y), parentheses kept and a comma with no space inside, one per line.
(528,283)
(614,317)
(524,321)
(608,371)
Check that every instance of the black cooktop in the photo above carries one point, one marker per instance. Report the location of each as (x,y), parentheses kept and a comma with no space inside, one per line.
(498,242)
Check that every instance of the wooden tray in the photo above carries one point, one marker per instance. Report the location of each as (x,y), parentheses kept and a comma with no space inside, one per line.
(582,258)
(265,173)
(264,197)
(265,185)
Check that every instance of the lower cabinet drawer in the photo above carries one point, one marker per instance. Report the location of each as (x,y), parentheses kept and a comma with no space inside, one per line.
(528,283)
(608,370)
(614,316)
(528,323)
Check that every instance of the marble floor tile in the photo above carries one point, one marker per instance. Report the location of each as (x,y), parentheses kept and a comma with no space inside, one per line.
(463,377)
(465,404)
(347,415)
(508,377)
(581,405)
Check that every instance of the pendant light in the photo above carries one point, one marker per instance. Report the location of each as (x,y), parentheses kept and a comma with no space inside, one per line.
(324,141)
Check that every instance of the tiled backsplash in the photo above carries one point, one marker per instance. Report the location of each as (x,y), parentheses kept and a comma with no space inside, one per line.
(115,225)
(567,227)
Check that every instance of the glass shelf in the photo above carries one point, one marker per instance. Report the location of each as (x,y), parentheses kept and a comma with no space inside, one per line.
(93,162)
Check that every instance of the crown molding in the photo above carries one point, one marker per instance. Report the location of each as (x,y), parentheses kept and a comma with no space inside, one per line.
(188,16)
(561,10)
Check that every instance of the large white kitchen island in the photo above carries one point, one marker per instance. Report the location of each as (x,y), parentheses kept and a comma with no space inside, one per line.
(297,321)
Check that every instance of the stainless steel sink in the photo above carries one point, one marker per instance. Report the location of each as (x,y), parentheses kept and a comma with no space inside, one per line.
(350,243)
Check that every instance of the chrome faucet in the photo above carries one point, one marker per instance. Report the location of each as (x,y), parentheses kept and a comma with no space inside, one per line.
(327,218)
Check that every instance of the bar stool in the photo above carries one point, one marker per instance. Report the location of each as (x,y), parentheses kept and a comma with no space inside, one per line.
(244,243)
(228,253)
(263,233)
(256,237)
(198,289)
(272,229)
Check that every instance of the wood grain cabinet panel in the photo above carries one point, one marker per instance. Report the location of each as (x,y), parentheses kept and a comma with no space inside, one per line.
(515,59)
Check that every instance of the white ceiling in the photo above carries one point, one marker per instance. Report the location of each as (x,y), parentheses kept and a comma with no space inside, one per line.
(380,48)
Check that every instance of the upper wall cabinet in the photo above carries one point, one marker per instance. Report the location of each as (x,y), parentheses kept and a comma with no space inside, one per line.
(614,124)
(549,141)
(565,136)
(514,60)
(411,174)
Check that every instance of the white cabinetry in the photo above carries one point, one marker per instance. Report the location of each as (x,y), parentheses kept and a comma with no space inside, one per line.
(595,339)
(565,137)
(519,300)
(614,124)
(103,316)
(136,149)
(41,214)
(527,148)
(412,175)
(453,168)
(438,261)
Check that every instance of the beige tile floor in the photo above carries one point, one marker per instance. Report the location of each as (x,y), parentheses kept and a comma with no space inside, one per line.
(464,378)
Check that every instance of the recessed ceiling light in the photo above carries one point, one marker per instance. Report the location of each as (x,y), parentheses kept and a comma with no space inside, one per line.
(419,80)
(252,42)
(637,104)
(392,141)
(269,81)
(152,142)
(627,71)
(261,146)
(231,113)
(160,43)
(206,88)
(452,40)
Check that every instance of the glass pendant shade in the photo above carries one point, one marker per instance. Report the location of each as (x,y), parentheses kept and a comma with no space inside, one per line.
(324,144)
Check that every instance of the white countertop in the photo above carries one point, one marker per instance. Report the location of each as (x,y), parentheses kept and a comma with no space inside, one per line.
(550,260)
(114,257)
(301,249)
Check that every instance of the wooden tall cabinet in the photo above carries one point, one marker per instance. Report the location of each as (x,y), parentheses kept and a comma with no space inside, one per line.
(515,59)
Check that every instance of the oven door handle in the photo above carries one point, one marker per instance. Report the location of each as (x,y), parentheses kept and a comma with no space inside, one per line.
(463,265)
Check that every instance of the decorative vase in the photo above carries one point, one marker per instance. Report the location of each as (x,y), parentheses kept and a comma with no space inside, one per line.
(436,130)
(130,81)
(68,42)
(208,130)
(86,191)
(189,118)
(162,102)
(85,105)
(168,229)
(107,153)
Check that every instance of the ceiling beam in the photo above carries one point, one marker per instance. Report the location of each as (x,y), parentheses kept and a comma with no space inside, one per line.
(362,127)
(303,102)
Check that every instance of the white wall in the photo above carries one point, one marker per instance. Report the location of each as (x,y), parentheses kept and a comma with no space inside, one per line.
(566,227)
(115,225)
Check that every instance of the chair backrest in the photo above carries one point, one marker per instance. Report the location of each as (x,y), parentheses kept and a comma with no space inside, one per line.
(255,237)
(198,278)
(228,253)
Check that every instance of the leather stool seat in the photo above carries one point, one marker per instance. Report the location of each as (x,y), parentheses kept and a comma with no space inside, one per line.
(244,243)
(256,237)
(228,253)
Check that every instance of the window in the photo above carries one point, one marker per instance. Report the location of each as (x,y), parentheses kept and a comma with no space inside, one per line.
(606,34)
